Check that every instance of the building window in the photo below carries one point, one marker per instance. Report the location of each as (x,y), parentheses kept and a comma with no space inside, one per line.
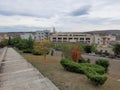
(87,38)
(76,38)
(81,38)
(54,38)
(64,38)
(70,38)
(59,38)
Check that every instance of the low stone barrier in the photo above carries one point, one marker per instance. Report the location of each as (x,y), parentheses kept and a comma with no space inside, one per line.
(3,55)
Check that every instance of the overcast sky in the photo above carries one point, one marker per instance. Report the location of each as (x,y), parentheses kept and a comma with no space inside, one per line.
(65,15)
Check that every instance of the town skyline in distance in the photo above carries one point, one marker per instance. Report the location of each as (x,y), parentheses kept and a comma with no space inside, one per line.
(21,28)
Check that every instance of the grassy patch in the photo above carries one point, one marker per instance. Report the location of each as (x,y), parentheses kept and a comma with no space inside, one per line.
(65,80)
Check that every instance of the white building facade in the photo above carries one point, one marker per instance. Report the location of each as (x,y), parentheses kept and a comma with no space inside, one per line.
(27,35)
(105,43)
(99,40)
(3,36)
(41,35)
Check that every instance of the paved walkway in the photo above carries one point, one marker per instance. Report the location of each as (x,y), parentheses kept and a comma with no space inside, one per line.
(1,49)
(18,74)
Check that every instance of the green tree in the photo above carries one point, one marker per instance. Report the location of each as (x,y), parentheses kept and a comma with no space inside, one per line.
(22,44)
(116,49)
(37,48)
(15,41)
(93,48)
(42,47)
(66,50)
(3,43)
(9,41)
(45,46)
(90,48)
(30,42)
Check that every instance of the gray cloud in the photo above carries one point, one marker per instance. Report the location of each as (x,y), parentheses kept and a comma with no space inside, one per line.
(81,11)
(32,8)
(85,20)
(20,28)
(60,12)
(23,13)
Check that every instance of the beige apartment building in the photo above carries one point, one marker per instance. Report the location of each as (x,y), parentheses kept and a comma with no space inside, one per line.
(72,37)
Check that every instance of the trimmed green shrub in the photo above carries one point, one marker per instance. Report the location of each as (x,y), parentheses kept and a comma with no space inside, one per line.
(82,60)
(52,52)
(27,51)
(104,63)
(72,66)
(96,78)
(36,52)
(80,67)
(97,68)
(92,71)
(88,60)
(47,52)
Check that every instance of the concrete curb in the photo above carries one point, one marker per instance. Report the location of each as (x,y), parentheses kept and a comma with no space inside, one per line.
(3,55)
(21,76)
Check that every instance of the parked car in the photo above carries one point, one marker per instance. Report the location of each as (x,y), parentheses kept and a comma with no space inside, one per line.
(118,56)
(93,54)
(58,49)
(102,55)
(112,56)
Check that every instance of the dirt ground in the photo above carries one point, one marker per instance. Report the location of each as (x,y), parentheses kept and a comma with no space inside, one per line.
(66,80)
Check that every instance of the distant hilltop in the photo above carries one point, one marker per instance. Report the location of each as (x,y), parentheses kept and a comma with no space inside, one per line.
(106,32)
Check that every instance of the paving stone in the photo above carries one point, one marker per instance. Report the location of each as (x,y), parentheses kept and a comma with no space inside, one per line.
(39,84)
(18,74)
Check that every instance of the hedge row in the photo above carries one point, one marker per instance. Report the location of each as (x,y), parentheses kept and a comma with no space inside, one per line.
(95,77)
(27,51)
(104,63)
(92,71)
(34,52)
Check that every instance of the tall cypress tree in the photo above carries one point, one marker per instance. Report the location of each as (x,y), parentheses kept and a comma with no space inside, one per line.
(30,42)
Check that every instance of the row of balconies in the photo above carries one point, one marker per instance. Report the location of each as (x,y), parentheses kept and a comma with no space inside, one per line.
(71,39)
(88,42)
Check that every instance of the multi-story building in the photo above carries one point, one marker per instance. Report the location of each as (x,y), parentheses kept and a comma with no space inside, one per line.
(41,35)
(104,40)
(27,35)
(3,36)
(105,43)
(23,35)
(72,37)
